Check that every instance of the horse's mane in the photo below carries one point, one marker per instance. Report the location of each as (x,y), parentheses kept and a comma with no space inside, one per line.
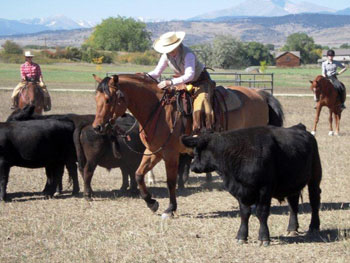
(103,86)
(138,79)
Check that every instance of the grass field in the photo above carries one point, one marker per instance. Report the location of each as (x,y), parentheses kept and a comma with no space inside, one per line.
(118,228)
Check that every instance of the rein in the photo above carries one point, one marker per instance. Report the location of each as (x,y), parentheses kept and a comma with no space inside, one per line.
(126,134)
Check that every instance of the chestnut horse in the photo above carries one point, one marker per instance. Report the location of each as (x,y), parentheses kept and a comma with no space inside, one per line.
(326,95)
(31,94)
(161,125)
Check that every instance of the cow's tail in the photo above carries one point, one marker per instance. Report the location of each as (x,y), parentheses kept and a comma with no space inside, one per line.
(314,188)
(276,115)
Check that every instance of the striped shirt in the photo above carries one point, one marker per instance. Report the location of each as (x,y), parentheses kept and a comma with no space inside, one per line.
(30,70)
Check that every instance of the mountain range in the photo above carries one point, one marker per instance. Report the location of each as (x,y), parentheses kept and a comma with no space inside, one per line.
(269,8)
(264,21)
(28,26)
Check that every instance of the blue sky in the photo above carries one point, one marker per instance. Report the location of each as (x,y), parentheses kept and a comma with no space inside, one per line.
(152,9)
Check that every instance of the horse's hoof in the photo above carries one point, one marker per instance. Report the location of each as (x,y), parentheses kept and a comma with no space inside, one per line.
(336,134)
(313,133)
(167,215)
(241,241)
(331,133)
(154,207)
(265,243)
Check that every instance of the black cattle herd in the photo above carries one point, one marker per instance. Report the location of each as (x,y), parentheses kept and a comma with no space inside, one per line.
(256,164)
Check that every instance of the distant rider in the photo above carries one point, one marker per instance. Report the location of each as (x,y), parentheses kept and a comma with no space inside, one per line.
(329,71)
(30,71)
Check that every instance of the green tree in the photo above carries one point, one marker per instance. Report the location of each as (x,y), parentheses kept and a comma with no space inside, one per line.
(303,43)
(228,53)
(257,52)
(11,47)
(120,34)
(346,46)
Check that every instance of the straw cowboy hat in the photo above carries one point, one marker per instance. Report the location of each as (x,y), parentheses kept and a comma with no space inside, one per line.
(28,54)
(168,41)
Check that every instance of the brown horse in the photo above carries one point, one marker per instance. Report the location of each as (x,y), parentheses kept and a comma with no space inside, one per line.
(31,94)
(326,95)
(161,125)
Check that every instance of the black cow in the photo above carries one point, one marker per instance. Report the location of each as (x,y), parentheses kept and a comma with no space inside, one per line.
(261,163)
(35,144)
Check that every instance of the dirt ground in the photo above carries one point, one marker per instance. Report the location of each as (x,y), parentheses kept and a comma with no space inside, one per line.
(116,227)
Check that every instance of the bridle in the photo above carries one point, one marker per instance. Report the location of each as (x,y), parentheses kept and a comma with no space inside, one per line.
(125,135)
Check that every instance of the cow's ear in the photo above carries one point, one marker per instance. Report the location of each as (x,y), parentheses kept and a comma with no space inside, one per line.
(98,79)
(190,141)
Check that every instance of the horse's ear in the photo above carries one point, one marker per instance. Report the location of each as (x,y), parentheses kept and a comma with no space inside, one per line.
(311,81)
(98,79)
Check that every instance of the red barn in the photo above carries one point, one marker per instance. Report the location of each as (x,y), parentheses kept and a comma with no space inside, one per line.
(287,59)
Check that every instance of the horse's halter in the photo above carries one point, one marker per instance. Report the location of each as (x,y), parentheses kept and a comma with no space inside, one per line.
(112,100)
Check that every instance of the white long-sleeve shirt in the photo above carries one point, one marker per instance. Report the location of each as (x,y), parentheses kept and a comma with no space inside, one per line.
(185,78)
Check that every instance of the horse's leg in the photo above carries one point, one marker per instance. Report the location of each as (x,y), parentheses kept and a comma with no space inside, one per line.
(318,111)
(337,123)
(330,120)
(171,165)
(147,163)
(73,176)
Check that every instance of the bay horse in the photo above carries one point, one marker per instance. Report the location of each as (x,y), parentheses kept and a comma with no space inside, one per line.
(31,94)
(326,95)
(161,125)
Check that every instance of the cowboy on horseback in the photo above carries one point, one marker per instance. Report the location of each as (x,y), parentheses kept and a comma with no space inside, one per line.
(188,71)
(31,71)
(329,71)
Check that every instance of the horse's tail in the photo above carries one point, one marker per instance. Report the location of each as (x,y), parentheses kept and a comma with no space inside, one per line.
(276,115)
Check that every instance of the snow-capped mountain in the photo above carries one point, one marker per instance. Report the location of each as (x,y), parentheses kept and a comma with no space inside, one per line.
(34,25)
(266,8)
(58,22)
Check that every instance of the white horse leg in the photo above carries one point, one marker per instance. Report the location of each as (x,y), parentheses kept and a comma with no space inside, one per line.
(313,133)
(331,133)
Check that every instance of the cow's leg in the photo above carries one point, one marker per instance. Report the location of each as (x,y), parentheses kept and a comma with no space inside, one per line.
(262,213)
(315,200)
(171,166)
(4,176)
(147,163)
(317,118)
(245,212)
(73,175)
(53,174)
(88,173)
(184,169)
(330,120)
(293,224)
(125,179)
(133,183)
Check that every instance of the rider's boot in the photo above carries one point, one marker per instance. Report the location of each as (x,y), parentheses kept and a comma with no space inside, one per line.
(14,104)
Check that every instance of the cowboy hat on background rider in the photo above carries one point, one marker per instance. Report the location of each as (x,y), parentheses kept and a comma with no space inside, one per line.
(188,70)
(30,71)
(329,71)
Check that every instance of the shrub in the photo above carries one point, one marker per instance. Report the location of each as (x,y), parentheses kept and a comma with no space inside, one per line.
(11,47)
